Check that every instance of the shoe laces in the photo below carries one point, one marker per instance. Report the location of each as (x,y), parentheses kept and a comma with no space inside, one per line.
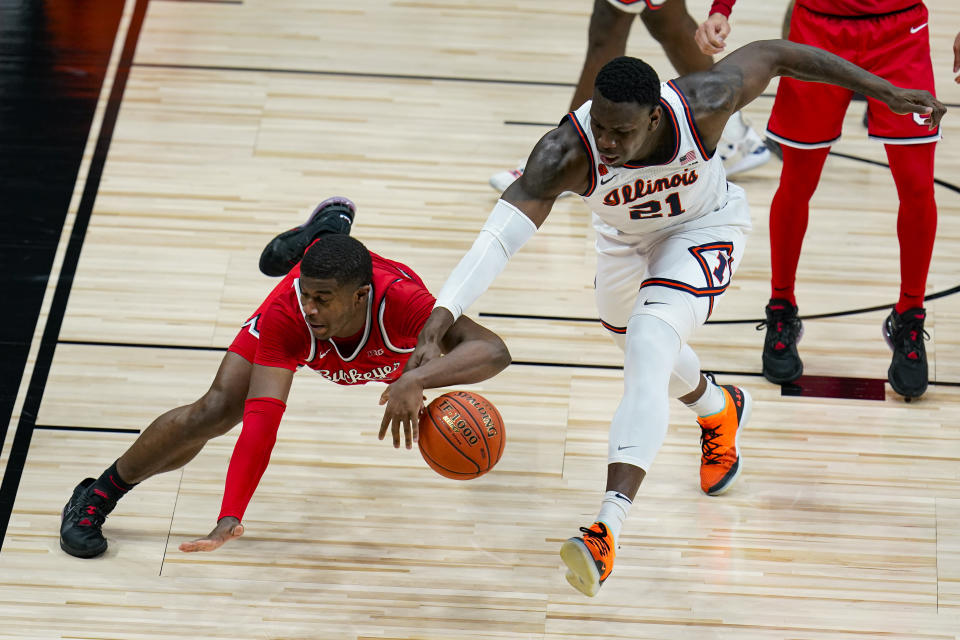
(94,509)
(783,327)
(909,333)
(596,538)
(710,449)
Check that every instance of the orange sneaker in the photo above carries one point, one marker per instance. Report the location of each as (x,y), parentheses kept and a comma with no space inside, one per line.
(589,558)
(720,462)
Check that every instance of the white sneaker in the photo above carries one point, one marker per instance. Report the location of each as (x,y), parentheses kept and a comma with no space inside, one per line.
(503,179)
(743,153)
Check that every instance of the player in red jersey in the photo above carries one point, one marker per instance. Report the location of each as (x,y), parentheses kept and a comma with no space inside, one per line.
(348,314)
(891,39)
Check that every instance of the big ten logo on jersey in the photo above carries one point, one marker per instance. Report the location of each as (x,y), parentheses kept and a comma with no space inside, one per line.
(652,208)
(716,259)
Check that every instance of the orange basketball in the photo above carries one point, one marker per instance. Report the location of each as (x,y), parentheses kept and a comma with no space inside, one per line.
(461,435)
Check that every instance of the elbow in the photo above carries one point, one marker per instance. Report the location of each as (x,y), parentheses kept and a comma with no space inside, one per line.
(501,356)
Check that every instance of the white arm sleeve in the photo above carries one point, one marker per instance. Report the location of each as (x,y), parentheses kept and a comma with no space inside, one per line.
(506,230)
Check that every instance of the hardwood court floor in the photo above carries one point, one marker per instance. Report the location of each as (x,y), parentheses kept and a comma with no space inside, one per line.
(236,119)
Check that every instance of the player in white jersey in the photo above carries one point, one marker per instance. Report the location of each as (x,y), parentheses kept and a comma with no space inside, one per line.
(670,233)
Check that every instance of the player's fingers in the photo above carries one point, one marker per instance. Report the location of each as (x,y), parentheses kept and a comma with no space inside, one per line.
(956,56)
(236,531)
(408,432)
(395,428)
(416,427)
(200,544)
(385,396)
(384,423)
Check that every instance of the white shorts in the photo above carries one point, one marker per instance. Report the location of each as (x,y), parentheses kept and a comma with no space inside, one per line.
(676,274)
(636,6)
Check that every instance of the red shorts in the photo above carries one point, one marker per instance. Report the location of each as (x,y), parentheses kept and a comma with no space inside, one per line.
(894,46)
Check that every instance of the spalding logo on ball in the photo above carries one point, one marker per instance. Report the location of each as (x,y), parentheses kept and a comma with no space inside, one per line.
(461,435)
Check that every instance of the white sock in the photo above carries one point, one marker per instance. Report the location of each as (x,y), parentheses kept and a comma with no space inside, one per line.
(613,511)
(712,401)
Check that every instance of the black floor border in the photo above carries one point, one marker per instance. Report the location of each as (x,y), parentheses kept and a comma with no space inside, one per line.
(48,342)
(58,427)
(353,74)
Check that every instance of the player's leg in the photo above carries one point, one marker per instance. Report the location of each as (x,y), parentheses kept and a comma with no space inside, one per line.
(333,215)
(903,58)
(912,168)
(657,363)
(807,118)
(172,440)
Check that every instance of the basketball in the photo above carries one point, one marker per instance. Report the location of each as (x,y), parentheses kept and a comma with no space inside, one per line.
(461,435)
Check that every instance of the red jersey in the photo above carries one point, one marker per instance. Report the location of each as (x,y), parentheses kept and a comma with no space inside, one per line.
(277,335)
(848,8)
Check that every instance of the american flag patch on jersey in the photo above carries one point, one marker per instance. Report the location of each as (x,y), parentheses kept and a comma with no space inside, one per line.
(689,156)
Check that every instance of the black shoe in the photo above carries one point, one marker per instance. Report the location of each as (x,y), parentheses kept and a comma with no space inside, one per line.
(82,518)
(333,215)
(905,335)
(781,362)
(774,147)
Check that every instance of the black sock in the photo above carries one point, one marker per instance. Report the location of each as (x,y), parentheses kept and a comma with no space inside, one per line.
(110,484)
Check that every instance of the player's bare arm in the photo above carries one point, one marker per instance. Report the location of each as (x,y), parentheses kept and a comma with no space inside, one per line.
(739,78)
(557,163)
(472,353)
(265,382)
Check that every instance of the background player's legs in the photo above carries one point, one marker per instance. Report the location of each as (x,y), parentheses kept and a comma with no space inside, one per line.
(168,443)
(673,27)
(789,213)
(606,40)
(912,169)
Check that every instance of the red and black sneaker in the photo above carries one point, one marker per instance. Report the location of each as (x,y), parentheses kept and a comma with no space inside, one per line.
(905,334)
(333,215)
(82,519)
(781,362)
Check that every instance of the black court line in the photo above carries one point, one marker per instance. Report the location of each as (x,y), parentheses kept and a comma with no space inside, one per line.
(48,343)
(520,363)
(57,427)
(139,345)
(815,316)
(352,74)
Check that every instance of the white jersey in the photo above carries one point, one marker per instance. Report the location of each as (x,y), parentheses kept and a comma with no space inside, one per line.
(638,199)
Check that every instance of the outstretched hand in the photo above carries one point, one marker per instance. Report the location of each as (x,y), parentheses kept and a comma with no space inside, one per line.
(711,36)
(226,530)
(404,399)
(930,109)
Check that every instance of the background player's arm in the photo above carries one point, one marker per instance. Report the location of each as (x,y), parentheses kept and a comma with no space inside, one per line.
(472,353)
(736,80)
(266,400)
(557,163)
